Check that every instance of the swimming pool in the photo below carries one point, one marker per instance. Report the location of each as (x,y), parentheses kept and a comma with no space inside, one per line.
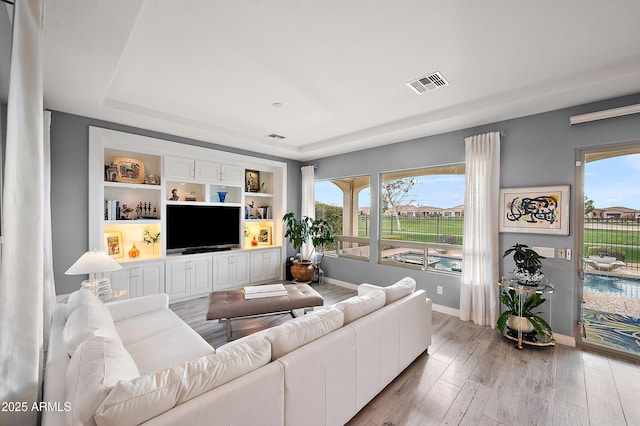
(435,262)
(618,286)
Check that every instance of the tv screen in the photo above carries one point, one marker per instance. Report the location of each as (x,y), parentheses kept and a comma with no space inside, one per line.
(197,227)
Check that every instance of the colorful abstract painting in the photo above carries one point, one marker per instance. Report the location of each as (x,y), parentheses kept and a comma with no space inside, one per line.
(539,210)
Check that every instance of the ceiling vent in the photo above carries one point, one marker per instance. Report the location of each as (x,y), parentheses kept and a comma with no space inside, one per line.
(275,137)
(430,82)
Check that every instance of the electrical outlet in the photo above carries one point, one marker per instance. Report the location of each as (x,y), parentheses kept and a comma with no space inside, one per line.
(439,289)
(561,253)
(568,254)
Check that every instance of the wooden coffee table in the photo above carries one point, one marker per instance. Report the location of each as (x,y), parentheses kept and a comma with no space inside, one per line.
(231,304)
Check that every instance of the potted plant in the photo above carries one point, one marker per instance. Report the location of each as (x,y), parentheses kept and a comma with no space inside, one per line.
(298,231)
(528,264)
(519,315)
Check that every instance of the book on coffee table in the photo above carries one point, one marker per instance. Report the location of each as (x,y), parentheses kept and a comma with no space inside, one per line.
(267,290)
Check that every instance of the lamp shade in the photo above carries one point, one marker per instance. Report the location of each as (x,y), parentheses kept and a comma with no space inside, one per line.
(92,262)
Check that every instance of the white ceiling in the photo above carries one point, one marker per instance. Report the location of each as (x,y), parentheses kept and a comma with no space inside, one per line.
(212,70)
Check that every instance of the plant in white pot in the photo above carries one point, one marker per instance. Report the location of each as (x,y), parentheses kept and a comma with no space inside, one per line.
(519,315)
(299,231)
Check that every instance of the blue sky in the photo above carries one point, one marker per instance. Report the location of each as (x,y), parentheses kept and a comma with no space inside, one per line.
(609,182)
(614,181)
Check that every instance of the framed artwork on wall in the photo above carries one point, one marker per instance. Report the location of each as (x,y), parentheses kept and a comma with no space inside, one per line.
(535,210)
(113,244)
(264,236)
(252,180)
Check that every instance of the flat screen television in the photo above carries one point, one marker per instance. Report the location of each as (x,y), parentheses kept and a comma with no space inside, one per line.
(193,228)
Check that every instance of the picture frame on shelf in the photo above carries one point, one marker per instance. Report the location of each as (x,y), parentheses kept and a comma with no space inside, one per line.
(264,235)
(113,244)
(535,210)
(129,170)
(252,180)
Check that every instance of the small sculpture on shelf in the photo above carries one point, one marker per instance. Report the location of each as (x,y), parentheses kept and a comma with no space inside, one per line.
(174,194)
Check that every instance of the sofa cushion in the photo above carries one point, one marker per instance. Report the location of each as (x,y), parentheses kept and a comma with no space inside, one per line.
(95,367)
(81,297)
(359,306)
(402,288)
(141,399)
(300,331)
(160,339)
(85,321)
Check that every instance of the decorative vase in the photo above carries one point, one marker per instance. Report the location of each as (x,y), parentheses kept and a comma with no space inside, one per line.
(528,277)
(222,195)
(302,270)
(254,242)
(134,252)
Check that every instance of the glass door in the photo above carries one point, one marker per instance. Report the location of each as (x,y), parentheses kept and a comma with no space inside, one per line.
(610,251)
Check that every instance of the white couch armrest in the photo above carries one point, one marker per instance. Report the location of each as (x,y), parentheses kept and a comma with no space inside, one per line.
(137,306)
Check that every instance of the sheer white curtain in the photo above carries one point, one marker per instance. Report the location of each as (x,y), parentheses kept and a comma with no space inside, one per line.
(308,204)
(480,257)
(26,277)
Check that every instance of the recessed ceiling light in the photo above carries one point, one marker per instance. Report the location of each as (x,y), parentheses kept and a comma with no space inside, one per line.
(277,104)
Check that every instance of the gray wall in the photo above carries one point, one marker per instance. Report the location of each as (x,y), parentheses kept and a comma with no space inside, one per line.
(536,150)
(69,193)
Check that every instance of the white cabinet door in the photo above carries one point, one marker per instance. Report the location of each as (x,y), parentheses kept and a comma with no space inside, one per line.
(231,175)
(231,270)
(139,279)
(207,171)
(147,279)
(241,269)
(273,268)
(120,280)
(265,265)
(201,276)
(190,276)
(179,168)
(176,279)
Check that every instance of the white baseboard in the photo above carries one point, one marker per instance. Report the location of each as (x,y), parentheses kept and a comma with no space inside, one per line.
(446,310)
(339,283)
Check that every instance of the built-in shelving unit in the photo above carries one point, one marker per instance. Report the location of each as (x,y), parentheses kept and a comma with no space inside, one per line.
(182,174)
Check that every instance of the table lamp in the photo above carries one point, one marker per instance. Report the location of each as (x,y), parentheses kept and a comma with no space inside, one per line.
(93,262)
(134,235)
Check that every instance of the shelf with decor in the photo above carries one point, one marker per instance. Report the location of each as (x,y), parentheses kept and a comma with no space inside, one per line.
(187,197)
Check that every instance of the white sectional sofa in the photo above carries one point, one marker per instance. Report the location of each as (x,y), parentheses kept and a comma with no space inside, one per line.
(135,361)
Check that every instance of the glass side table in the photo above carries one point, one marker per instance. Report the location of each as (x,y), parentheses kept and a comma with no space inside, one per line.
(519,328)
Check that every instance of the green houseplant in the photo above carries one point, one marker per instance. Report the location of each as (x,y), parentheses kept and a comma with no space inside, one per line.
(298,231)
(528,264)
(520,317)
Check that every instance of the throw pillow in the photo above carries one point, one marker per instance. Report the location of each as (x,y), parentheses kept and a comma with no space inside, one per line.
(359,306)
(95,367)
(300,331)
(86,321)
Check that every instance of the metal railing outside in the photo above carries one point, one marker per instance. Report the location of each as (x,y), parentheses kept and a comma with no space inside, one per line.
(616,237)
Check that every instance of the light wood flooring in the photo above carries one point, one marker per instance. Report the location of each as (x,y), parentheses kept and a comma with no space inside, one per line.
(474,376)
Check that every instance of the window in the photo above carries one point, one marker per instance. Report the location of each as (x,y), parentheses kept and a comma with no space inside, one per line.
(345,204)
(422,217)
